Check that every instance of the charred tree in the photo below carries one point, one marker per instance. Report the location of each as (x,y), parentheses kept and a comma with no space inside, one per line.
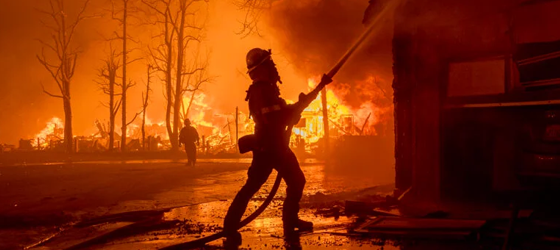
(253,10)
(124,86)
(122,16)
(61,63)
(162,54)
(145,99)
(179,28)
(108,83)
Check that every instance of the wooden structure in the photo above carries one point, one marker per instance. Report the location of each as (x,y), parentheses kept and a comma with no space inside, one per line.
(476,94)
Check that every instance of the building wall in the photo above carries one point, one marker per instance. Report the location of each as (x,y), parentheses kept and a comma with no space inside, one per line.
(429,35)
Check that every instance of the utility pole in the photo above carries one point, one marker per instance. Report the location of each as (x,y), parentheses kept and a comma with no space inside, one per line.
(325,120)
(237,127)
(229,131)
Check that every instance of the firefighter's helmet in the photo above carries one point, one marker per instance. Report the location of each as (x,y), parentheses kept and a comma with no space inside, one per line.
(256,57)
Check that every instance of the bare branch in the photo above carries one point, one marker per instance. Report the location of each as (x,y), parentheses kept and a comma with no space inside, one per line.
(79,19)
(135,115)
(54,74)
(117,107)
(130,84)
(192,72)
(48,93)
(104,104)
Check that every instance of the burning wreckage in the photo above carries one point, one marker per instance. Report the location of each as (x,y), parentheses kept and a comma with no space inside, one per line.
(219,132)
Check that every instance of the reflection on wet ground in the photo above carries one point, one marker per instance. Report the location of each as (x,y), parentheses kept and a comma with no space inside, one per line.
(201,202)
(153,161)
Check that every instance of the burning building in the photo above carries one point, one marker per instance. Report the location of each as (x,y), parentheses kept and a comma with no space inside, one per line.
(51,134)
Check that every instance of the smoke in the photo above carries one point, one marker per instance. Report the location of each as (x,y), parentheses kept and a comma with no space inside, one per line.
(313,35)
(316,33)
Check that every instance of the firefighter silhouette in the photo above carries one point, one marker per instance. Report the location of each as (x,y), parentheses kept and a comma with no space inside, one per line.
(188,137)
(270,146)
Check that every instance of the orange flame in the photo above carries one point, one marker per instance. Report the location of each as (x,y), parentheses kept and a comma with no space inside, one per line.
(52,132)
(219,128)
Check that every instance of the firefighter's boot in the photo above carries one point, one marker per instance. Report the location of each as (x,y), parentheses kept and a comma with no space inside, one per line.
(299,224)
(233,240)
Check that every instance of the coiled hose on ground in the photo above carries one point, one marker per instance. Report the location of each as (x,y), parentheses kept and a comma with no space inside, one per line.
(213,237)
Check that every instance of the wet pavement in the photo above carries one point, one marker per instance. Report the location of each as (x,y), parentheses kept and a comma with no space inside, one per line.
(161,203)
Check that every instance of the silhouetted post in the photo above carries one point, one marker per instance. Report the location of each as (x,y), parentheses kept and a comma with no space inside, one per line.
(325,119)
(204,144)
(236,126)
(144,107)
(229,131)
(38,143)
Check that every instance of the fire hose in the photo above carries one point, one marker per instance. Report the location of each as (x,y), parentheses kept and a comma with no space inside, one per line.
(264,205)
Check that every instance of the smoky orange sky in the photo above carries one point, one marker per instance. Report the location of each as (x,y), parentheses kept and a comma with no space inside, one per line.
(306,37)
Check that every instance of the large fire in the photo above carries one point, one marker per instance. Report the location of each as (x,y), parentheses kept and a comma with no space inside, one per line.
(219,130)
(343,120)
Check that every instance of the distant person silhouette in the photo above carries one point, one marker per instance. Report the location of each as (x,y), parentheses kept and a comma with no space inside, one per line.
(188,137)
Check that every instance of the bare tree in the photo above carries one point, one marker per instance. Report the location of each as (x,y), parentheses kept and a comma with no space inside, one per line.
(108,82)
(122,14)
(195,80)
(61,63)
(253,10)
(162,54)
(179,28)
(145,99)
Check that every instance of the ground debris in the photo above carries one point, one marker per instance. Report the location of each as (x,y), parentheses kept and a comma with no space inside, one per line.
(193,227)
(418,227)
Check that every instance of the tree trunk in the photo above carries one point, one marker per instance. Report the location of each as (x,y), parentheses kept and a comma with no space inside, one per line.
(169,106)
(168,80)
(190,103)
(143,130)
(124,83)
(123,127)
(168,111)
(111,113)
(68,135)
(144,107)
(179,81)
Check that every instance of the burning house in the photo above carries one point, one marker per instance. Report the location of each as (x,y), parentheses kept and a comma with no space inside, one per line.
(50,136)
(476,97)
